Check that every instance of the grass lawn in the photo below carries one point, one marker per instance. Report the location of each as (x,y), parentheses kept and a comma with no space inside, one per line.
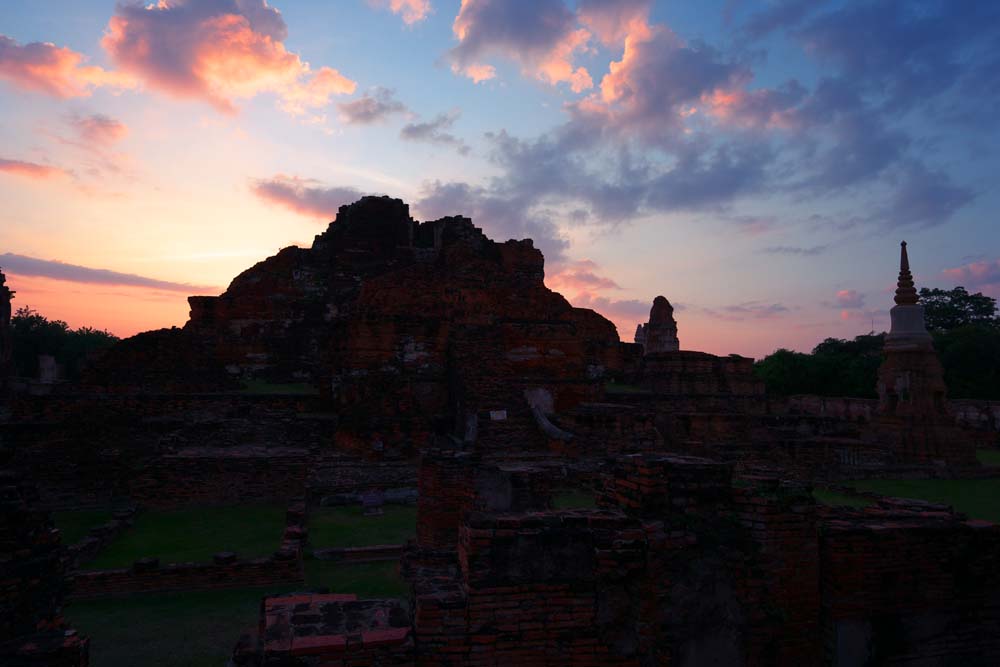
(569,499)
(331,527)
(166,629)
(979,498)
(193,535)
(201,629)
(75,525)
(835,499)
(988,457)
(375,580)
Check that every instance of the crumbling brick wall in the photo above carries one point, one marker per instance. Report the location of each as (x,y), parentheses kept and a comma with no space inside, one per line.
(905,581)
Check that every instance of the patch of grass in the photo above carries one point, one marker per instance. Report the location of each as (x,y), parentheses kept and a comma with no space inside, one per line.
(287,388)
(374,580)
(193,535)
(200,629)
(167,629)
(331,527)
(979,498)
(834,499)
(988,457)
(571,499)
(75,525)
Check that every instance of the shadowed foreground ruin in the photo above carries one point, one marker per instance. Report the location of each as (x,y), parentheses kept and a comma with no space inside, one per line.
(424,361)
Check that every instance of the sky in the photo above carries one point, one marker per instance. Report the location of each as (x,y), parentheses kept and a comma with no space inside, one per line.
(756,162)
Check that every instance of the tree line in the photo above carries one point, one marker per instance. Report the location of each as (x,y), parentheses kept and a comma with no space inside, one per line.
(33,334)
(966,332)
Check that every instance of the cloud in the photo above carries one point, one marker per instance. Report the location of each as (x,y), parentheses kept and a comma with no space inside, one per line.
(753,310)
(30,266)
(580,275)
(613,21)
(412,11)
(923,198)
(305,196)
(435,132)
(98,129)
(615,309)
(981,275)
(795,250)
(30,169)
(218,51)
(501,217)
(848,298)
(542,36)
(53,70)
(371,108)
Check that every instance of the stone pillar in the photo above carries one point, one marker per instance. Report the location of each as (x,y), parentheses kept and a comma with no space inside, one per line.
(6,344)
(446,494)
(913,412)
(660,333)
(32,630)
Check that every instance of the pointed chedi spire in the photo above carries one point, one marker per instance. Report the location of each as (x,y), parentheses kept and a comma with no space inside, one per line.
(906,293)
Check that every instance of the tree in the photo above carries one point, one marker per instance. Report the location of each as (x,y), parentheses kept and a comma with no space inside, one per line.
(945,310)
(33,334)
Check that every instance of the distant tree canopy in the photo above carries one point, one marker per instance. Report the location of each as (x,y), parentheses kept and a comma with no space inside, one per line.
(33,334)
(966,333)
(945,310)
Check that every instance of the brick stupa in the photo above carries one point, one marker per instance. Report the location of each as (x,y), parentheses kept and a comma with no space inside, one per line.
(913,411)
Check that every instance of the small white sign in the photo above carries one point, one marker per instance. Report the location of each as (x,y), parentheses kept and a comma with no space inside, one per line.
(498,415)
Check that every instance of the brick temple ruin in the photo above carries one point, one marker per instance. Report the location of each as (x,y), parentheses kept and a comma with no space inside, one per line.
(445,371)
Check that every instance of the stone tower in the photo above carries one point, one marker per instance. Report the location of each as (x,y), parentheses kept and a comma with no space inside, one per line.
(913,411)
(6,345)
(660,333)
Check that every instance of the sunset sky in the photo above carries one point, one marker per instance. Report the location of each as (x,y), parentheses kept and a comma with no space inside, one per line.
(757,162)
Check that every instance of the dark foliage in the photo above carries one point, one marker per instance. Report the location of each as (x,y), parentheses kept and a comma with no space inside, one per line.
(966,334)
(34,334)
(945,310)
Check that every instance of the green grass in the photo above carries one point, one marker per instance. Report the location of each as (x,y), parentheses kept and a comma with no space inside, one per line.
(331,527)
(835,499)
(373,580)
(200,629)
(166,629)
(193,535)
(979,498)
(567,499)
(288,388)
(75,525)
(989,457)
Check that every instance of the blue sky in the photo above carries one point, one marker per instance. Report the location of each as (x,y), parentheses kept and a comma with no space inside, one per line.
(755,162)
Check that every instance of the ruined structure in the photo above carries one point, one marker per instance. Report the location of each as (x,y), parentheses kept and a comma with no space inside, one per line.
(33,632)
(6,345)
(659,334)
(430,363)
(683,563)
(913,414)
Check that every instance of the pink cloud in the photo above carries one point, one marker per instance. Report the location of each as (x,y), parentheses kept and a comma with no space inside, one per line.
(579,276)
(38,172)
(612,21)
(218,52)
(542,36)
(53,70)
(412,11)
(304,196)
(848,298)
(982,275)
(98,129)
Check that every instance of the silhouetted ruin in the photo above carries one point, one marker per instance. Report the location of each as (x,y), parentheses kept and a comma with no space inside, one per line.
(425,361)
